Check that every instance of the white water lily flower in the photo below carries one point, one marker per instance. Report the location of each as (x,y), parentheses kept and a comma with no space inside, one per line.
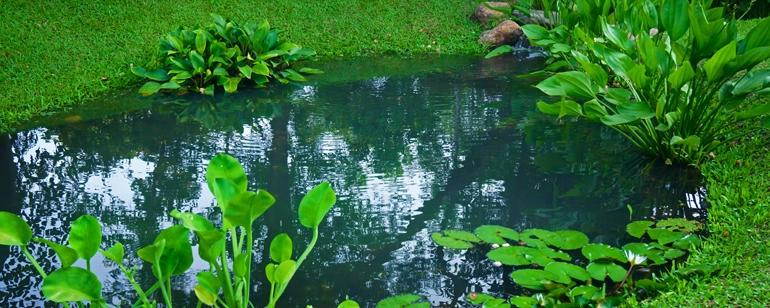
(506,245)
(540,299)
(497,264)
(495,246)
(633,258)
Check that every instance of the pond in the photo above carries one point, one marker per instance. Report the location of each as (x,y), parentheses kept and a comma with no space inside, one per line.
(411,147)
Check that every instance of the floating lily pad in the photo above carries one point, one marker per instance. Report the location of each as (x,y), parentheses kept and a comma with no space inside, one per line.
(601,269)
(572,239)
(687,241)
(655,232)
(539,238)
(511,255)
(403,301)
(680,224)
(462,235)
(638,228)
(534,279)
(449,242)
(673,254)
(637,248)
(656,256)
(549,252)
(667,237)
(523,301)
(496,234)
(601,251)
(587,291)
(568,270)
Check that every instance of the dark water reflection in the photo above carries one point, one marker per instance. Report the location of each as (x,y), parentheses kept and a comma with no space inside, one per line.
(408,154)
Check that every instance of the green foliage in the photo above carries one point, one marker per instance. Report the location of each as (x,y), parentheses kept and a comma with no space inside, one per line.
(544,262)
(222,54)
(671,76)
(171,252)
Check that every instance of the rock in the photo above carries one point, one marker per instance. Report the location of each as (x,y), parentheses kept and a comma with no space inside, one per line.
(536,17)
(486,15)
(507,32)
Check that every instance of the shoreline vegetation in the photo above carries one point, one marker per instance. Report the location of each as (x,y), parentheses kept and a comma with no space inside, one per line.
(58,54)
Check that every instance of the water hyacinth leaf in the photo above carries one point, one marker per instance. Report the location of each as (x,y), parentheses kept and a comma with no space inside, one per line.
(261,69)
(539,280)
(211,244)
(348,304)
(638,228)
(247,206)
(682,75)
(115,253)
(316,204)
(499,51)
(14,231)
(576,84)
(687,242)
(240,264)
(595,252)
(151,87)
(602,269)
(667,237)
(281,248)
(572,239)
(209,282)
(192,221)
(226,166)
(449,242)
(245,70)
(496,234)
(510,255)
(568,270)
(551,86)
(66,255)
(231,85)
(205,296)
(674,19)
(714,67)
(85,236)
(270,272)
(72,284)
(673,254)
(403,301)
(176,255)
(285,271)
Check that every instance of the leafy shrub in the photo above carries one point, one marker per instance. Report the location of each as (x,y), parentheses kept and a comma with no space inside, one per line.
(222,54)
(545,261)
(671,76)
(171,252)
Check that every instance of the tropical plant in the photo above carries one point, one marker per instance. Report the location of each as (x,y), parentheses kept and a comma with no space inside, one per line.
(563,267)
(227,283)
(222,54)
(672,83)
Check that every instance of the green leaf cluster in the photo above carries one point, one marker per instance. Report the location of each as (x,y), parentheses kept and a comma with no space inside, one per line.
(226,54)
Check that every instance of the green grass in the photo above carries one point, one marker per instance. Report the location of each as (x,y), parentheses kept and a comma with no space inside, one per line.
(54,54)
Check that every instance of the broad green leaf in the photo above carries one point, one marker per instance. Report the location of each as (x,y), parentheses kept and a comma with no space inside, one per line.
(674,18)
(479,298)
(667,237)
(552,109)
(586,291)
(509,255)
(638,248)
(85,236)
(615,35)
(14,231)
(403,301)
(232,84)
(551,86)
(179,78)
(572,239)
(462,235)
(687,241)
(261,69)
(596,72)
(692,141)
(639,110)
(682,75)
(601,269)
(618,119)
(496,234)
(595,252)
(66,255)
(539,238)
(192,221)
(240,264)
(285,271)
(638,228)
(205,296)
(72,284)
(594,110)
(523,301)
(316,204)
(247,206)
(181,64)
(139,71)
(270,272)
(618,62)
(176,256)
(293,75)
(348,304)
(449,242)
(618,96)
(576,85)
(499,51)
(673,254)
(638,77)
(209,282)
(535,32)
(199,65)
(312,71)
(560,48)
(200,43)
(114,253)
(539,280)
(245,70)
(714,67)
(151,87)
(281,248)
(158,75)
(752,81)
(747,60)
(209,90)
(226,166)
(759,36)
(568,270)
(224,191)
(170,86)
(211,244)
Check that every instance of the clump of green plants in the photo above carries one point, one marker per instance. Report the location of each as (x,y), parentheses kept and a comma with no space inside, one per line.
(672,76)
(562,267)
(225,54)
(227,283)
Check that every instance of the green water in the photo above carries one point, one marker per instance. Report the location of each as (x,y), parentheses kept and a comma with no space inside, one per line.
(432,144)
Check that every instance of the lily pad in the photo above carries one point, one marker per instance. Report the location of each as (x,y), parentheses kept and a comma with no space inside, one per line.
(595,252)
(587,291)
(539,237)
(680,224)
(511,255)
(638,228)
(687,241)
(667,237)
(523,301)
(568,270)
(403,301)
(462,235)
(534,279)
(572,239)
(637,248)
(496,234)
(673,254)
(601,269)
(449,242)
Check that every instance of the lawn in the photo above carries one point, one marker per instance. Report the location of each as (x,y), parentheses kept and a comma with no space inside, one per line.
(54,54)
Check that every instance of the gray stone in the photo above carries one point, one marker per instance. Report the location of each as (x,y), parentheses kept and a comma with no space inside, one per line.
(487,16)
(507,32)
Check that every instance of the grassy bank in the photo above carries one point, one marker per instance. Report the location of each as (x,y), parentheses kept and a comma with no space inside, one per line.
(57,53)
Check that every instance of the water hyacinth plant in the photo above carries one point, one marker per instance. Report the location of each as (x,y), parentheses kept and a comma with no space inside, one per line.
(672,76)
(225,54)
(562,267)
(227,283)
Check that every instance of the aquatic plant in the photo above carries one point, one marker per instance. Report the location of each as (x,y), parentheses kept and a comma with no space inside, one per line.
(228,280)
(561,267)
(222,54)
(671,76)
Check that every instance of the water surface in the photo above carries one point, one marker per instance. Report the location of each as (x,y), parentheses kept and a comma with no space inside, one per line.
(432,144)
